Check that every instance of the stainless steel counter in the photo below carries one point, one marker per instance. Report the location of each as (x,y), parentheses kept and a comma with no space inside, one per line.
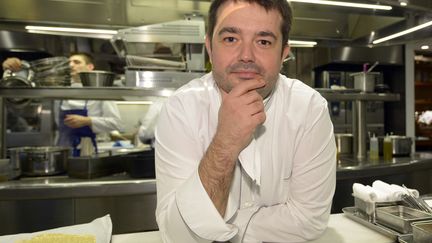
(61,200)
(349,167)
(55,187)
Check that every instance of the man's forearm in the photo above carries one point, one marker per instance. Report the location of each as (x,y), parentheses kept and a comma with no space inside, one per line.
(216,171)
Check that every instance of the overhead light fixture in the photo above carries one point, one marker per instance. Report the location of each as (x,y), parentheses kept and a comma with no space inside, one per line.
(345,4)
(403,3)
(82,32)
(424,47)
(297,43)
(410,30)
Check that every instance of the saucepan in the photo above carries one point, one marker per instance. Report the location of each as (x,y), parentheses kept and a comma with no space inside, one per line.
(40,160)
(344,143)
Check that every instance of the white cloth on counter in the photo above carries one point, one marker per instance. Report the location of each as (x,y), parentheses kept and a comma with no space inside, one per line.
(368,193)
(395,192)
(381,192)
(101,228)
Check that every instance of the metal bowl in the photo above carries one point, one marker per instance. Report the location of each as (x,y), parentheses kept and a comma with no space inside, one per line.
(97,78)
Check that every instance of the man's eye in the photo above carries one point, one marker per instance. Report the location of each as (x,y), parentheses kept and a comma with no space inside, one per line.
(264,42)
(229,39)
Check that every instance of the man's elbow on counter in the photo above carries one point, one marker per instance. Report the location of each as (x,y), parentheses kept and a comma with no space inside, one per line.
(315,227)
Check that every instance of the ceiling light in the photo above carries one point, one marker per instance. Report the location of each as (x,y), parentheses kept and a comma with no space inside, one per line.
(297,43)
(403,3)
(75,30)
(410,30)
(424,47)
(345,4)
(82,32)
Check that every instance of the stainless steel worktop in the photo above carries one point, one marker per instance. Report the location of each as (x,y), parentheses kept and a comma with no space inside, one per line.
(349,167)
(54,187)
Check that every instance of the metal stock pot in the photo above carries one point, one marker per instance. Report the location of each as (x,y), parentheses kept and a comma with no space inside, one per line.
(40,161)
(344,143)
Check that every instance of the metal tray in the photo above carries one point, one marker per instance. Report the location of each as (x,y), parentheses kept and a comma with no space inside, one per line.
(422,231)
(406,239)
(400,217)
(358,216)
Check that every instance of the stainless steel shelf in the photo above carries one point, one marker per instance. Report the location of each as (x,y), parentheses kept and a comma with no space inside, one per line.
(111,93)
(340,96)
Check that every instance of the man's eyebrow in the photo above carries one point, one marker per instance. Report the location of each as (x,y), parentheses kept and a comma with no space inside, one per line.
(232,30)
(266,34)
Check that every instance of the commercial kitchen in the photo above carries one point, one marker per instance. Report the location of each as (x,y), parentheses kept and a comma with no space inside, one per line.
(378,91)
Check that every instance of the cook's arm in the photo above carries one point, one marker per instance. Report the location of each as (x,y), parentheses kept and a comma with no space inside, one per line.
(109,120)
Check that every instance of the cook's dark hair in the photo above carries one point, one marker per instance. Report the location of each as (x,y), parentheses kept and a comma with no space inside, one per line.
(282,6)
(88,58)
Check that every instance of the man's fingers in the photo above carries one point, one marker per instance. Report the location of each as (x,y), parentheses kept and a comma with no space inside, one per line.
(246,86)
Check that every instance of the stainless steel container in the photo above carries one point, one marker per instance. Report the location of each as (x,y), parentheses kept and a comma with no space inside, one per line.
(422,232)
(400,217)
(344,143)
(40,161)
(401,145)
(365,81)
(97,78)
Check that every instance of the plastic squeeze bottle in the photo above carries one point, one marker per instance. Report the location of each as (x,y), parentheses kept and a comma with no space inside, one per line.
(373,148)
(387,148)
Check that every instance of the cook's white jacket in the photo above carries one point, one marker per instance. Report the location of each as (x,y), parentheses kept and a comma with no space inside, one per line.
(284,180)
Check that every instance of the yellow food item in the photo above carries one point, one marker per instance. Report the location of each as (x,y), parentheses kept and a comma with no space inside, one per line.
(60,238)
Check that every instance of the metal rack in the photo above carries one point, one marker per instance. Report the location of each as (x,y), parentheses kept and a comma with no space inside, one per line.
(359,100)
(139,93)
(93,93)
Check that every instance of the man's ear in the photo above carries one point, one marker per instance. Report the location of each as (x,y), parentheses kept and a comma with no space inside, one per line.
(208,47)
(91,66)
(285,52)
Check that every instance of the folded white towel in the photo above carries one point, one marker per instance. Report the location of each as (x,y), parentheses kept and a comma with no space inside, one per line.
(413,192)
(363,192)
(393,192)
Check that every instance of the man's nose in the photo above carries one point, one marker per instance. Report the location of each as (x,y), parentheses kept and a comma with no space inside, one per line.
(247,52)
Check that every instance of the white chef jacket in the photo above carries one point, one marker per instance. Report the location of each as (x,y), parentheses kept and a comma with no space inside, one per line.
(148,121)
(105,114)
(283,184)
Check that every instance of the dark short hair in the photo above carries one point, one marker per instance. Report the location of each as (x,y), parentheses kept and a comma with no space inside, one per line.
(88,58)
(282,6)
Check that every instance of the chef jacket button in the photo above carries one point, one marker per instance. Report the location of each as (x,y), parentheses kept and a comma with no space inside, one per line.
(247,204)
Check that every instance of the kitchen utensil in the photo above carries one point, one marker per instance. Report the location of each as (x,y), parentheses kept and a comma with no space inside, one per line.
(415,202)
(16,81)
(40,161)
(53,71)
(8,171)
(422,232)
(344,143)
(372,67)
(97,78)
(401,145)
(365,81)
(140,165)
(400,217)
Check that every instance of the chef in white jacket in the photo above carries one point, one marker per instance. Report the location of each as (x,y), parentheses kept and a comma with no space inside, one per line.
(80,121)
(245,154)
